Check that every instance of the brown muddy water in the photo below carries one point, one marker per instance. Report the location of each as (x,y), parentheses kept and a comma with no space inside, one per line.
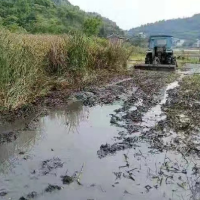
(67,143)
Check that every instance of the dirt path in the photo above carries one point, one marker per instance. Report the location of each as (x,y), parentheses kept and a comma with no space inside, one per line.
(134,139)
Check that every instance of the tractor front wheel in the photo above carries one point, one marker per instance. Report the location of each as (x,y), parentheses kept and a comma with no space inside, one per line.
(174,61)
(148,59)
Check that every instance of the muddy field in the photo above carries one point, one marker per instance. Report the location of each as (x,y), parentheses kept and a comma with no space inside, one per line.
(136,138)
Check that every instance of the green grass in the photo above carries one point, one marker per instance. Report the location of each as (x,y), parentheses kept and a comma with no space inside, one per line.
(137,57)
(191,86)
(138,54)
(188,57)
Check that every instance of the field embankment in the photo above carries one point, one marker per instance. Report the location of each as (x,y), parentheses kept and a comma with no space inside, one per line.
(33,65)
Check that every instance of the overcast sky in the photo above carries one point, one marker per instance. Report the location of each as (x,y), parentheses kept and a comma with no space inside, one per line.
(133,13)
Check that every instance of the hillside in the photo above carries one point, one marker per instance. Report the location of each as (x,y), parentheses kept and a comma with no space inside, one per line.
(48,16)
(185,28)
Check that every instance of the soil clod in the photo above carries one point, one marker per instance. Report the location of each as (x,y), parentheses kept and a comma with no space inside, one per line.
(49,165)
(67,180)
(52,188)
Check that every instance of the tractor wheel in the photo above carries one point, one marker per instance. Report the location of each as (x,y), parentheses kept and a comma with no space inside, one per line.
(169,60)
(148,59)
(174,62)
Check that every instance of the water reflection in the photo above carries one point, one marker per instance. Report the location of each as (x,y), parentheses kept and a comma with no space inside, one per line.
(10,151)
(30,131)
(71,116)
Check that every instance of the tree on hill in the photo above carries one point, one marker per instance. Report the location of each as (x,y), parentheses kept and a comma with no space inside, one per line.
(92,26)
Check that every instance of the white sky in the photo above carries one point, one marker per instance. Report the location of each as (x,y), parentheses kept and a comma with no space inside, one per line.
(133,13)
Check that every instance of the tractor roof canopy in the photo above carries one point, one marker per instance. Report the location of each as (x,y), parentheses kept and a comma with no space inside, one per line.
(160,41)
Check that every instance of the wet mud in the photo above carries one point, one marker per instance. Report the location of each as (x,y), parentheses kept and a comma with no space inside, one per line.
(137,138)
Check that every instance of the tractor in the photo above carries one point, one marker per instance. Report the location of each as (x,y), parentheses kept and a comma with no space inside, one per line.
(160,54)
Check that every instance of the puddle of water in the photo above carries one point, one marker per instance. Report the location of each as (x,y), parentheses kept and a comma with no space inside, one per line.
(190,69)
(155,114)
(134,108)
(75,136)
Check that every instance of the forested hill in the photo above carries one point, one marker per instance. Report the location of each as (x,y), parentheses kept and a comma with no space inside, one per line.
(185,28)
(50,16)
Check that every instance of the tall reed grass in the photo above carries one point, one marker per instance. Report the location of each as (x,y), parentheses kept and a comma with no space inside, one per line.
(30,65)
